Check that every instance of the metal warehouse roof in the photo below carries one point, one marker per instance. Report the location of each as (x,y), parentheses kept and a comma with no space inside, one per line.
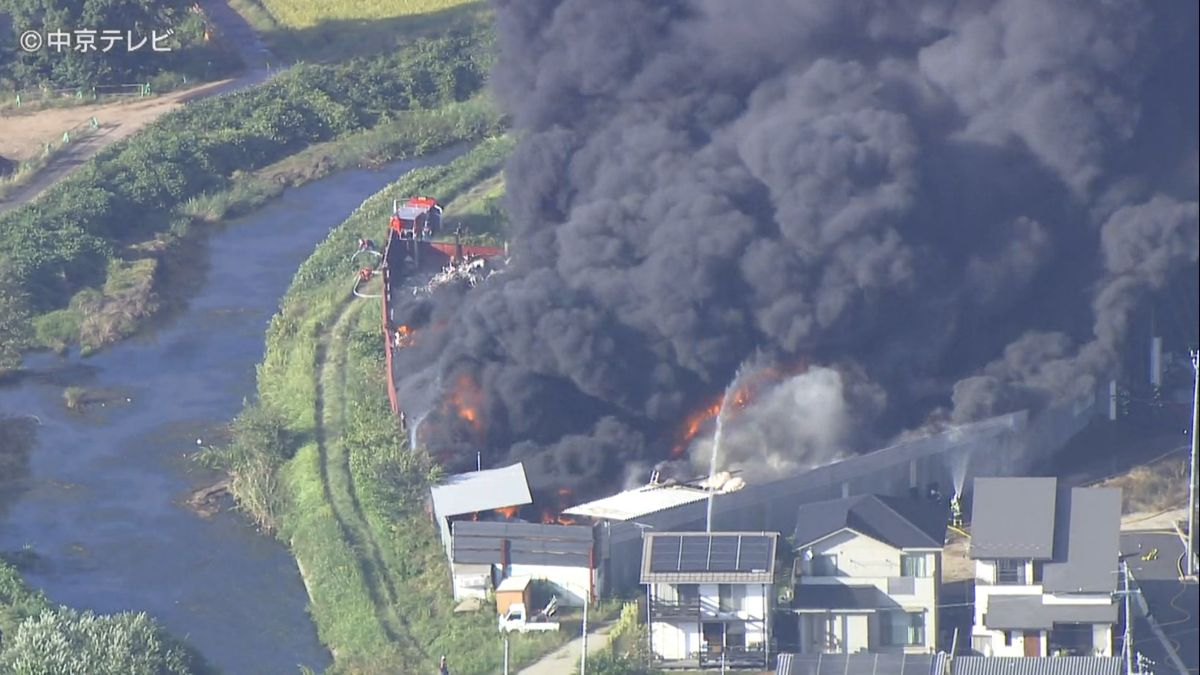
(522,544)
(481,491)
(861,664)
(1021,665)
(1087,542)
(1017,612)
(1013,518)
(902,523)
(639,502)
(731,557)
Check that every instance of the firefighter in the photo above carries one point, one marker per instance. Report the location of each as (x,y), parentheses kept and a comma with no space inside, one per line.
(365,274)
(443,669)
(427,233)
(395,222)
(956,515)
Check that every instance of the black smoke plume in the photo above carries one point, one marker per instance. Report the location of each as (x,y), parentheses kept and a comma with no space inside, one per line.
(959,206)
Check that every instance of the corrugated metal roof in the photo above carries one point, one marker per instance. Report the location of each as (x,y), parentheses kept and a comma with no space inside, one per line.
(1021,665)
(859,664)
(1013,518)
(522,544)
(639,502)
(1087,542)
(902,523)
(1016,612)
(481,491)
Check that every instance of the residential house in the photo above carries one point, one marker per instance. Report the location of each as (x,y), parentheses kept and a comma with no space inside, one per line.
(1046,567)
(561,555)
(709,597)
(867,574)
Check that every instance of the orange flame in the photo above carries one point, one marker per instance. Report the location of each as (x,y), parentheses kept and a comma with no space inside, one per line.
(466,399)
(692,427)
(509,512)
(405,335)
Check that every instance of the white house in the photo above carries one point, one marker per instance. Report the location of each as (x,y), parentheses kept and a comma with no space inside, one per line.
(709,597)
(867,575)
(1046,567)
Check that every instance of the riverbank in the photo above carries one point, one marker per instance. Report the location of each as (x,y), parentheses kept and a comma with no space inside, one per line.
(138,198)
(318,459)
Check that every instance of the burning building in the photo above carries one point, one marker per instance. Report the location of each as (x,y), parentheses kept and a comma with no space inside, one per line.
(948,212)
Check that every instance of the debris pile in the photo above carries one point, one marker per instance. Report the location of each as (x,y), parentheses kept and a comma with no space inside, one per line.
(469,269)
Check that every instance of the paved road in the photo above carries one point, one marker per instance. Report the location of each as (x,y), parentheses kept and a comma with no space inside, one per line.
(1171,602)
(565,659)
(236,32)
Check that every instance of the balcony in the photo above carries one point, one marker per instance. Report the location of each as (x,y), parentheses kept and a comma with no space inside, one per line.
(902,586)
(666,609)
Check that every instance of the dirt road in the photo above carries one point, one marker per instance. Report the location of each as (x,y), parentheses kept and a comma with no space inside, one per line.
(24,134)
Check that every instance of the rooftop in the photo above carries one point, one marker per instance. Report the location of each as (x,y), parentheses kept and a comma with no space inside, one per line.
(514,584)
(1029,665)
(703,557)
(902,523)
(1087,542)
(861,664)
(481,491)
(638,502)
(1013,518)
(843,597)
(1028,612)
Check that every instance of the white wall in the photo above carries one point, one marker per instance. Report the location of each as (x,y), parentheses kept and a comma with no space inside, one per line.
(995,642)
(570,583)
(1102,639)
(864,561)
(473,585)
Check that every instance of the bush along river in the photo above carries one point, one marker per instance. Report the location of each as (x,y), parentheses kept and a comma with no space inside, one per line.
(102,521)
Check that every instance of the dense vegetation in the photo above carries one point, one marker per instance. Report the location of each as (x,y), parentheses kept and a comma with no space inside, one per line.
(87,228)
(191,52)
(318,460)
(38,637)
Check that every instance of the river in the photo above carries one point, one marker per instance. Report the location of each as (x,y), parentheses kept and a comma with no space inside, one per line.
(102,509)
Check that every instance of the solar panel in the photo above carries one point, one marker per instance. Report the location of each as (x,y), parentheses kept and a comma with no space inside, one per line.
(723,554)
(755,554)
(693,555)
(664,554)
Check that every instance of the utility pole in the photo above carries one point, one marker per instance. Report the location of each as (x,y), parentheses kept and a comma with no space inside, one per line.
(505,655)
(1191,538)
(1127,641)
(583,652)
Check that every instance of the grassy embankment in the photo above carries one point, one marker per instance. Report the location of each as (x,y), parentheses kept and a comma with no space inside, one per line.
(317,31)
(114,224)
(318,460)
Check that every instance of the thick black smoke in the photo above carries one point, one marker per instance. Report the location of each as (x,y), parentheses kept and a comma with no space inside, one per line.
(957,204)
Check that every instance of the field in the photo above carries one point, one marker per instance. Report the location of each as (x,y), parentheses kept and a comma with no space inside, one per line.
(315,31)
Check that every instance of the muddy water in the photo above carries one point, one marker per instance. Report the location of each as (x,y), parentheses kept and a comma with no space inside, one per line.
(102,510)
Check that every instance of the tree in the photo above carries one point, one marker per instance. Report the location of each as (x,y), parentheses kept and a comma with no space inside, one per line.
(15,328)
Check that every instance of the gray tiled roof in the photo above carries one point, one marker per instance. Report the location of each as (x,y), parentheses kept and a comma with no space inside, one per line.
(1013,518)
(1018,612)
(902,523)
(862,598)
(1087,542)
(1020,665)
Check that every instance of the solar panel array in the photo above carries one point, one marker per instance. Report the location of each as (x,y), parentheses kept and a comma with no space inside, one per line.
(710,553)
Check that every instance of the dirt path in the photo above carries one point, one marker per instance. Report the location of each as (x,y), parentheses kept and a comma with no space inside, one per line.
(24,134)
(338,481)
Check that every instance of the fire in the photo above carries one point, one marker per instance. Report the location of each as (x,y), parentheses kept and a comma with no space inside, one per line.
(509,512)
(551,518)
(466,399)
(692,427)
(405,336)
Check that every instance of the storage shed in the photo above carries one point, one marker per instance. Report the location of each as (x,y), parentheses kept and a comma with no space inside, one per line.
(514,590)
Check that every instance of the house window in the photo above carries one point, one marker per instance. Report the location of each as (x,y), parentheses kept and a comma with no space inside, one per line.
(825,565)
(1010,572)
(1037,571)
(914,565)
(729,598)
(1008,638)
(687,594)
(902,629)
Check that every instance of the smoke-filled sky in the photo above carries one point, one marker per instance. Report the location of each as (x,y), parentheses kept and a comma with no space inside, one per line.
(946,210)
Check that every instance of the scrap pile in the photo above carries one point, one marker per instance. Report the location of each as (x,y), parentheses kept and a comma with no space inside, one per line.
(470,270)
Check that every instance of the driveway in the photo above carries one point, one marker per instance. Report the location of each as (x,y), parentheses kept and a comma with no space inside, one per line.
(1172,603)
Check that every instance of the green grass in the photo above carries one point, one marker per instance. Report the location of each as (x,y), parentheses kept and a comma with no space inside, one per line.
(481,210)
(317,31)
(352,510)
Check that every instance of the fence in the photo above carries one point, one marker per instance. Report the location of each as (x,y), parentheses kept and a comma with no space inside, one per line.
(46,96)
